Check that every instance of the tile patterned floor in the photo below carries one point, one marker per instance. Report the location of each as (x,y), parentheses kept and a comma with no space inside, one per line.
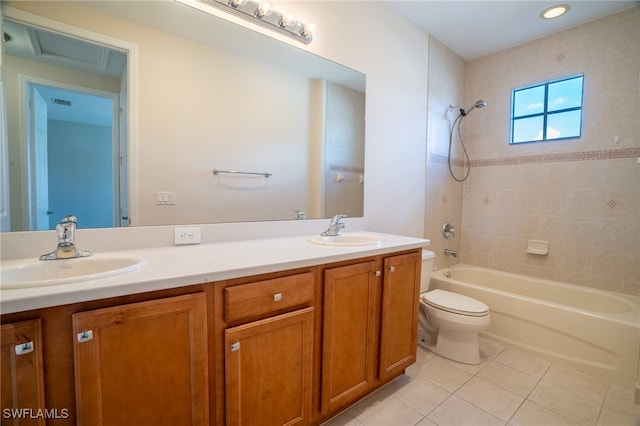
(508,387)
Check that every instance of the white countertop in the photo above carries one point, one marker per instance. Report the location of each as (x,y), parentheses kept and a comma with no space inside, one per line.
(178,266)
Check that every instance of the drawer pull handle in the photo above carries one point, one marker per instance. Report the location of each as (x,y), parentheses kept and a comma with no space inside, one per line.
(85,336)
(235,346)
(24,348)
(392,268)
(277,297)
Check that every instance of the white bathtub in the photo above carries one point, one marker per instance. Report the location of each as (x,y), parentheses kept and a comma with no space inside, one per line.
(592,331)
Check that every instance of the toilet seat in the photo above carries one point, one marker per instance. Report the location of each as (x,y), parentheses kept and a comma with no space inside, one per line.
(454,303)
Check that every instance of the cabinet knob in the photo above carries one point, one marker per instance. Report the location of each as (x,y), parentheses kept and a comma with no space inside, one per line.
(85,336)
(235,346)
(378,273)
(24,348)
(277,297)
(392,268)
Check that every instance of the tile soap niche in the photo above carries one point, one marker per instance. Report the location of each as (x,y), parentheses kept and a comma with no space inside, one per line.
(538,247)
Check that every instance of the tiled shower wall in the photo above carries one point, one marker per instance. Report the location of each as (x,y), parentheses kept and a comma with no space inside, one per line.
(581,195)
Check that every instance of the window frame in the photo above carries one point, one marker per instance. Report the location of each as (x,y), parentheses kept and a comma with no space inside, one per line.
(545,113)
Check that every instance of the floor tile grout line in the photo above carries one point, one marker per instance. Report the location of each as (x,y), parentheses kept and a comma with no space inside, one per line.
(451,394)
(563,388)
(481,409)
(526,398)
(604,400)
(489,361)
(464,400)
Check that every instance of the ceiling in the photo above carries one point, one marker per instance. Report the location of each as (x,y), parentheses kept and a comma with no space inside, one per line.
(477,28)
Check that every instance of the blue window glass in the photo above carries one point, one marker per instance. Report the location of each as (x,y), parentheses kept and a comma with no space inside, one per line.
(547,111)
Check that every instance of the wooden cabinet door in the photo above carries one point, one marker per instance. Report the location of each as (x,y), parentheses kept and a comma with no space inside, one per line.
(349,335)
(268,369)
(143,363)
(399,319)
(22,374)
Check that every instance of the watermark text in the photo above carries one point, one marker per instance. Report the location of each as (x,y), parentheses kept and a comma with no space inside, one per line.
(35,413)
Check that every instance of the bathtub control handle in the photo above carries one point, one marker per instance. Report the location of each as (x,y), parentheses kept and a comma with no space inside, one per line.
(448,230)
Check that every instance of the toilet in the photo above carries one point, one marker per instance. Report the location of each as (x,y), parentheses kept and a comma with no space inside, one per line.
(449,322)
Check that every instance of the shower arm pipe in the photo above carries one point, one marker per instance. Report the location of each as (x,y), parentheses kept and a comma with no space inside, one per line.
(479,104)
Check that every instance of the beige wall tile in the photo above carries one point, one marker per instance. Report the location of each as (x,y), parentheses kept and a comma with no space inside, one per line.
(573,193)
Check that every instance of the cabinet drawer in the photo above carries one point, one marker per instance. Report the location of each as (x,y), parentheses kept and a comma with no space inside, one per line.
(262,297)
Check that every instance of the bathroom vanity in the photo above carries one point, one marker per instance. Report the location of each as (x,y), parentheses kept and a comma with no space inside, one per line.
(274,331)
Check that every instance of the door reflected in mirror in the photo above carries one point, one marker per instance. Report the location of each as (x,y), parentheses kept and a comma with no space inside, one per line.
(74,162)
(197,105)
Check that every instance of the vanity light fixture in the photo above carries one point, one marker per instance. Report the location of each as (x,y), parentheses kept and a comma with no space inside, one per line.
(262,13)
(555,11)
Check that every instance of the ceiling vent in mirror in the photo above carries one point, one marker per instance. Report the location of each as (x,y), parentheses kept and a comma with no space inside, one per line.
(63,102)
(68,51)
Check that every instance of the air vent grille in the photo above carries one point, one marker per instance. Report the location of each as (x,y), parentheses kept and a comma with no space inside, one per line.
(64,102)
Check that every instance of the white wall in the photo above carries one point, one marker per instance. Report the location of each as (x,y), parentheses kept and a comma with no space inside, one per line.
(443,194)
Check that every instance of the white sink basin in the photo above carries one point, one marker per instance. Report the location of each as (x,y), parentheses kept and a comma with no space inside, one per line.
(348,239)
(37,273)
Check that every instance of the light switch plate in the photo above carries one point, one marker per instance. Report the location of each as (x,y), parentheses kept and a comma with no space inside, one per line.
(166,198)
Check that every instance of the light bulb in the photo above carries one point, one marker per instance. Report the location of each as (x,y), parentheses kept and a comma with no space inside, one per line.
(308,30)
(287,19)
(264,9)
(236,3)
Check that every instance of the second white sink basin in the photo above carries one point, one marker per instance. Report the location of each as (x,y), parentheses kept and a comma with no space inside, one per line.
(348,239)
(36,273)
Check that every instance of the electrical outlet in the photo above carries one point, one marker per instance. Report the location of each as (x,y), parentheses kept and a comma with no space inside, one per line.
(189,235)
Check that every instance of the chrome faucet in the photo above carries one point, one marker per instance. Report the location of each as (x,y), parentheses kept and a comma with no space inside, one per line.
(450,252)
(335,226)
(66,248)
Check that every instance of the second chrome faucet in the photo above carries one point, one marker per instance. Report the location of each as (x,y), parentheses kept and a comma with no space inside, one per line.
(335,226)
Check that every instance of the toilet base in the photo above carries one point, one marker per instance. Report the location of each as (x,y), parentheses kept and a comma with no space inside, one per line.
(425,341)
(451,335)
(458,346)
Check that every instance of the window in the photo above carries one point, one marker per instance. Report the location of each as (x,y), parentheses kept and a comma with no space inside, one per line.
(547,111)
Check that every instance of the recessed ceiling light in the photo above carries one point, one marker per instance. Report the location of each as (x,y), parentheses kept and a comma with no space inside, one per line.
(554,11)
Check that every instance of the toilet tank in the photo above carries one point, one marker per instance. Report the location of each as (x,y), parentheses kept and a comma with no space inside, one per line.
(428,257)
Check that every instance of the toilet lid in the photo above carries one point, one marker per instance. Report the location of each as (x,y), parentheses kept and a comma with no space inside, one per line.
(456,303)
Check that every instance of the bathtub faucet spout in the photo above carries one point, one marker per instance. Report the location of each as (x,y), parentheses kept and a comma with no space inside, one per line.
(450,252)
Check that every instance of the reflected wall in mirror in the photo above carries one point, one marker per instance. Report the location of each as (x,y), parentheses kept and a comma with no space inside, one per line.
(208,94)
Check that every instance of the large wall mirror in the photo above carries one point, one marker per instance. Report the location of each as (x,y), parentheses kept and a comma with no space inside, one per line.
(119,112)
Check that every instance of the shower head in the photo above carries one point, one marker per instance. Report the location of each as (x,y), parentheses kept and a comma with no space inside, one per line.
(478,104)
